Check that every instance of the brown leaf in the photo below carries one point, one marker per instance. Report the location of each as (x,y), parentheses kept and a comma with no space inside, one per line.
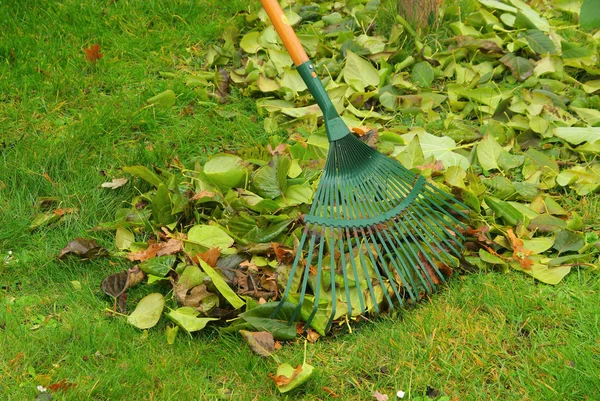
(262,342)
(279,149)
(85,248)
(284,256)
(312,336)
(62,385)
(115,284)
(145,254)
(222,80)
(62,212)
(170,247)
(211,256)
(114,184)
(203,194)
(380,397)
(520,254)
(93,53)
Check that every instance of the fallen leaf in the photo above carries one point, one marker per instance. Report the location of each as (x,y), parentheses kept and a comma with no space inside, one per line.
(261,342)
(380,397)
(520,254)
(284,256)
(62,385)
(93,53)
(203,194)
(170,247)
(211,256)
(312,336)
(148,311)
(85,248)
(116,183)
(145,254)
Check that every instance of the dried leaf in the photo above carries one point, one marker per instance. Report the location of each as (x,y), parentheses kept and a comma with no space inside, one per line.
(380,397)
(62,385)
(170,247)
(85,248)
(262,342)
(211,256)
(520,254)
(115,183)
(145,254)
(93,54)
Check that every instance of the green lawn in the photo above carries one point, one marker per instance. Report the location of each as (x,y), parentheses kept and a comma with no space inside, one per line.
(66,127)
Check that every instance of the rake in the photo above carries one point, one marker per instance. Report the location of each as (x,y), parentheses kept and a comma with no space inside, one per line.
(376,233)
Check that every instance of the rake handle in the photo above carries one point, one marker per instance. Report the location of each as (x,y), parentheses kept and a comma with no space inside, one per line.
(285,31)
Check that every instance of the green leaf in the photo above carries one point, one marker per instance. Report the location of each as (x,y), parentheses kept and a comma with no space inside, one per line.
(296,377)
(441,149)
(186,318)
(124,238)
(422,74)
(359,73)
(209,237)
(261,235)
(546,223)
(412,156)
(147,312)
(261,319)
(298,194)
(504,210)
(576,135)
(164,99)
(488,153)
(567,241)
(249,42)
(520,67)
(225,171)
(171,333)
(491,258)
(539,42)
(222,286)
(544,273)
(589,17)
(159,265)
(144,173)
(162,206)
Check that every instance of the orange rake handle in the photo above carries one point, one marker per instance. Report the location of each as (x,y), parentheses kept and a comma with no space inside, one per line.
(285,31)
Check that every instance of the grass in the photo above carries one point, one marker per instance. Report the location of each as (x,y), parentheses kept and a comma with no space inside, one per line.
(66,127)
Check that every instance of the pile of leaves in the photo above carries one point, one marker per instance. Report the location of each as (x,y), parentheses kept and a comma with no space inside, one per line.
(503,114)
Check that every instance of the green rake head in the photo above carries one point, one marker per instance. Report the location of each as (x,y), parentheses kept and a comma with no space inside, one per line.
(376,234)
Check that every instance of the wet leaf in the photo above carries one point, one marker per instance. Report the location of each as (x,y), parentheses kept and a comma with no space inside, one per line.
(262,342)
(84,248)
(147,312)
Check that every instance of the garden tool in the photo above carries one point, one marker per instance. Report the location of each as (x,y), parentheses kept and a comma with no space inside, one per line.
(376,233)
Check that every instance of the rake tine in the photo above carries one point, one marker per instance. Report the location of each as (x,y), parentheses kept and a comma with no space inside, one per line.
(317,289)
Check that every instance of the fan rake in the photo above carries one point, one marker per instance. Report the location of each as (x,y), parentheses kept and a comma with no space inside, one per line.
(376,233)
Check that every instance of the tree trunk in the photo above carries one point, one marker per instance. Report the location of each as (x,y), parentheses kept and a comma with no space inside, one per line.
(419,13)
